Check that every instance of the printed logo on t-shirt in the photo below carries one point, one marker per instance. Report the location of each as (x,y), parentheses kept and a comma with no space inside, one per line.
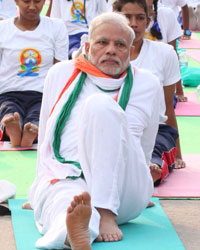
(77,12)
(30,60)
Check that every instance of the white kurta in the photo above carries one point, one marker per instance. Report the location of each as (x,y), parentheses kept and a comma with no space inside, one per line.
(113,147)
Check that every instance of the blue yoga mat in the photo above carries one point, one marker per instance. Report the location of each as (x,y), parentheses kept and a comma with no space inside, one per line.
(150,231)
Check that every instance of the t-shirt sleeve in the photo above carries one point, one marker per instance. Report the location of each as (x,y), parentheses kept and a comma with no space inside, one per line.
(55,9)
(102,6)
(171,66)
(61,41)
(173,28)
(181,3)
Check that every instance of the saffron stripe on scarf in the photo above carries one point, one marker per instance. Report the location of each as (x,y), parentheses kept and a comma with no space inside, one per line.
(82,64)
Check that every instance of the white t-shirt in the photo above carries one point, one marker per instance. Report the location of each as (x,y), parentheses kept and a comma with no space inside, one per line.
(161,59)
(7,8)
(76,14)
(168,24)
(26,56)
(175,5)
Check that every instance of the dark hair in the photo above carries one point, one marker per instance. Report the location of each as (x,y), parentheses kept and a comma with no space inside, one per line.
(155,29)
(118,4)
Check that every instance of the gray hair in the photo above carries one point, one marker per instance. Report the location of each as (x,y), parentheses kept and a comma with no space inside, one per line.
(111,17)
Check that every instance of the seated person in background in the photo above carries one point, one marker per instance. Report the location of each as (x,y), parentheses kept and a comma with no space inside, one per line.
(29,46)
(99,119)
(161,60)
(184,14)
(77,16)
(7,9)
(160,29)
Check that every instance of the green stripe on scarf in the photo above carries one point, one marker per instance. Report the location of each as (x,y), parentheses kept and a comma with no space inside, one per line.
(67,108)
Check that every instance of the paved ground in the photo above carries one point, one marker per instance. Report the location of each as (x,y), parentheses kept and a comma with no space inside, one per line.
(183,214)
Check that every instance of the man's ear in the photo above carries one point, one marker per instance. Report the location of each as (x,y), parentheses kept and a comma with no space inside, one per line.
(87,48)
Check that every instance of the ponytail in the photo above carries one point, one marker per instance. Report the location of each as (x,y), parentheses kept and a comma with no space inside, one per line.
(155,29)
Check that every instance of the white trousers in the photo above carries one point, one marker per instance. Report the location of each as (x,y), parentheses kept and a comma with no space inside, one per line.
(116,174)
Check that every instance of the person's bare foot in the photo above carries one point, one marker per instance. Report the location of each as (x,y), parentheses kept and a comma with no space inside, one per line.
(77,221)
(109,230)
(26,205)
(155,171)
(13,128)
(151,204)
(30,133)
(179,163)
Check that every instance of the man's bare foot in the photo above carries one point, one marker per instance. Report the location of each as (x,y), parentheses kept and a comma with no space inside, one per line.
(13,128)
(109,230)
(78,217)
(155,171)
(179,163)
(26,205)
(30,133)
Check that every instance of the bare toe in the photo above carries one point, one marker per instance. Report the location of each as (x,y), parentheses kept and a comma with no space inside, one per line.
(156,171)
(30,133)
(13,128)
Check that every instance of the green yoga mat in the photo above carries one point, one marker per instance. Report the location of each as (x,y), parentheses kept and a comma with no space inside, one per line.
(189,128)
(150,231)
(18,167)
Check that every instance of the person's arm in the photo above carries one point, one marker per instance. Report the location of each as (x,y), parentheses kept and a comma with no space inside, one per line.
(185,17)
(49,9)
(179,88)
(179,92)
(169,98)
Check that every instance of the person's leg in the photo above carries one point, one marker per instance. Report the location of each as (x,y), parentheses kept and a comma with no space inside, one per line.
(75,43)
(11,117)
(163,156)
(31,120)
(113,164)
(50,203)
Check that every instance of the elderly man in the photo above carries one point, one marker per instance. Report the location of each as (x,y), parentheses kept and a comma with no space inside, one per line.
(97,132)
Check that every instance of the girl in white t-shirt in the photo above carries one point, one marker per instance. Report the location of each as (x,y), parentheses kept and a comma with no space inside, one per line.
(160,29)
(161,59)
(29,46)
(7,9)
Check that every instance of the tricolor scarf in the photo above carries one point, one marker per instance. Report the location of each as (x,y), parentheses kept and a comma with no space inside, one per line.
(61,111)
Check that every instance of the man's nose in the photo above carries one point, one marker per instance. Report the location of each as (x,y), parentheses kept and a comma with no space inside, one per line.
(111,48)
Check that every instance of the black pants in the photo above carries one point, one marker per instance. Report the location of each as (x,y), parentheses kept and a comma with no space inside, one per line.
(26,103)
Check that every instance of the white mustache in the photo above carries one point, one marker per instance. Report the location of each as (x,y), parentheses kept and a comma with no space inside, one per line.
(110,58)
